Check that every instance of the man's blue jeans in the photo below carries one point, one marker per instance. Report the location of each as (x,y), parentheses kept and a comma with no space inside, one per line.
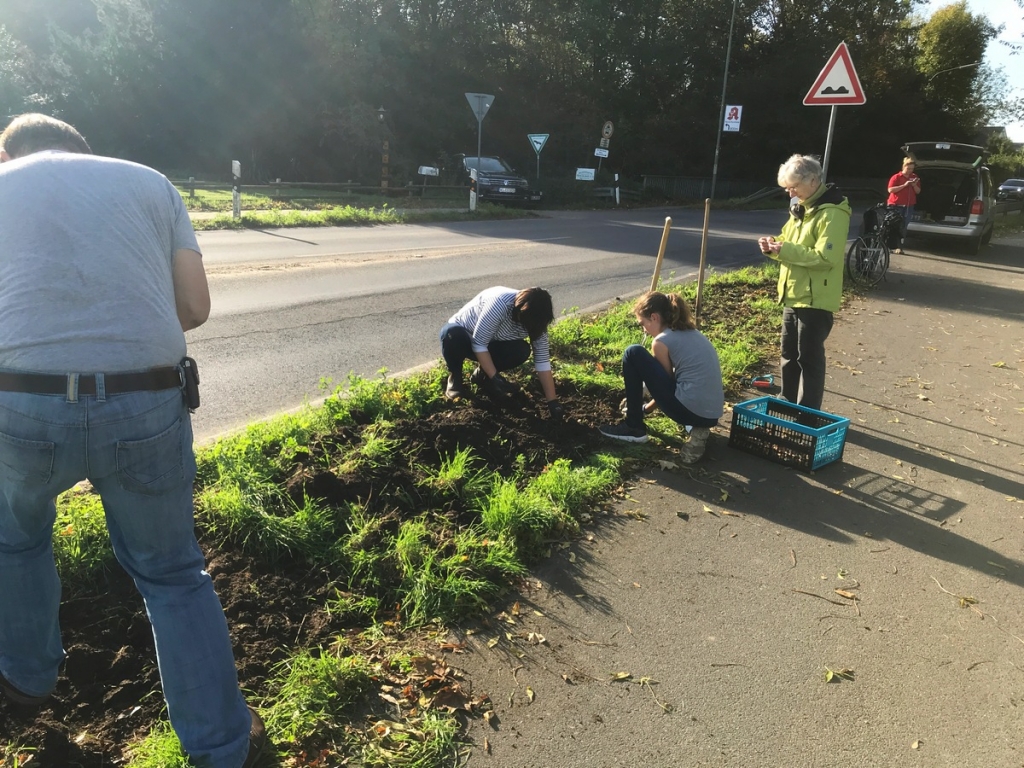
(907,212)
(136,450)
(638,368)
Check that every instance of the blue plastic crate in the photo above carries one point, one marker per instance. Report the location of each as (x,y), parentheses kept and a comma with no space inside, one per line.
(787,433)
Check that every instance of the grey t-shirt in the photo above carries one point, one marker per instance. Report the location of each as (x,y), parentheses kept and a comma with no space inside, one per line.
(698,372)
(86,249)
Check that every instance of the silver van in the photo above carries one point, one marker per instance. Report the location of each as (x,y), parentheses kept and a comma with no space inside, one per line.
(957,201)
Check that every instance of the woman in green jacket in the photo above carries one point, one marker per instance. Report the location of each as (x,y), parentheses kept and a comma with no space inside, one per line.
(810,253)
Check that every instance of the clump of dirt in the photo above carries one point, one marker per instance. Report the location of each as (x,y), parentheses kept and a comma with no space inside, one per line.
(109,693)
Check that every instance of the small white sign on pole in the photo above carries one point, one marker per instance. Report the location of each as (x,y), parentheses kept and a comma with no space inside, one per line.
(598,152)
(733,114)
(584,174)
(427,170)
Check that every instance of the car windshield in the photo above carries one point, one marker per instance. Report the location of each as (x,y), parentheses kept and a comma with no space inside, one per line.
(489,165)
(1013,183)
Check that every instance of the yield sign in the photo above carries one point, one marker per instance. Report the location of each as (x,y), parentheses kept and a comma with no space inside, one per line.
(480,102)
(538,140)
(838,82)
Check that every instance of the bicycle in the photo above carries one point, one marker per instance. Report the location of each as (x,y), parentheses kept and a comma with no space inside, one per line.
(867,260)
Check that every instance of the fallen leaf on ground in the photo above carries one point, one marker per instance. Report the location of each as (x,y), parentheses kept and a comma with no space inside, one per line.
(618,676)
(530,695)
(847,594)
(838,674)
(916,744)
(1000,364)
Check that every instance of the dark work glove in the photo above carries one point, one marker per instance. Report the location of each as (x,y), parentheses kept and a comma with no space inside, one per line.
(499,385)
(556,409)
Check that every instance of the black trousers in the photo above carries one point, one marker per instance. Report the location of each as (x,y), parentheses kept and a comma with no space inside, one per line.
(457,346)
(804,331)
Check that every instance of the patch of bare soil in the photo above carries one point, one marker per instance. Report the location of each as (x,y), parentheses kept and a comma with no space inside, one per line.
(109,693)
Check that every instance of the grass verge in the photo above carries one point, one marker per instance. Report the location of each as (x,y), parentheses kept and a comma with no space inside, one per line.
(410,513)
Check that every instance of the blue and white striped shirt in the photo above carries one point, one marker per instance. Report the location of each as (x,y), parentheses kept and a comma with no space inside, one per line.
(488,317)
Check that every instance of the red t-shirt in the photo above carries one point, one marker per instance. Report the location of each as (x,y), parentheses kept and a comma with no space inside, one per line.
(905,196)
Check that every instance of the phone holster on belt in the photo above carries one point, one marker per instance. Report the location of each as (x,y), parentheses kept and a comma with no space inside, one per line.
(190,390)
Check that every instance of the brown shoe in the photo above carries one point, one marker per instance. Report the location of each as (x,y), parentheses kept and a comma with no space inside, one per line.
(257,739)
(693,449)
(18,697)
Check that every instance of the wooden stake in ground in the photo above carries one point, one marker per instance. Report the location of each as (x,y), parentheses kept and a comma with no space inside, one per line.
(661,253)
(703,262)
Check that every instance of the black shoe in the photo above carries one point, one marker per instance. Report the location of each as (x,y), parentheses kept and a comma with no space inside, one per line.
(18,697)
(257,739)
(454,389)
(622,431)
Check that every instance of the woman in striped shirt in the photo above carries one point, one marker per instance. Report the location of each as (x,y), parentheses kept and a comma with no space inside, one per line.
(493,329)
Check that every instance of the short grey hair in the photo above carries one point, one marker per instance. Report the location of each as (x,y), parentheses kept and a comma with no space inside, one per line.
(33,132)
(799,169)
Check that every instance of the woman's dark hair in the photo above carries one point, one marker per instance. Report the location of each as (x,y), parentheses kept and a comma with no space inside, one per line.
(33,132)
(674,310)
(532,309)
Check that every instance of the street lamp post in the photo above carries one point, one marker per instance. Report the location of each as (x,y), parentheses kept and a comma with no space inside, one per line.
(950,69)
(383,150)
(721,116)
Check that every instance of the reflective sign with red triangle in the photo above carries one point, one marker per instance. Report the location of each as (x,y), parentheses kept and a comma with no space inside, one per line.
(838,82)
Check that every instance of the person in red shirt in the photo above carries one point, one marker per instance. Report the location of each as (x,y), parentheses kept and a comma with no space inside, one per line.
(904,187)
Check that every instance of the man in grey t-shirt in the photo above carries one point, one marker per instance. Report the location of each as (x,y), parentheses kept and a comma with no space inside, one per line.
(100,276)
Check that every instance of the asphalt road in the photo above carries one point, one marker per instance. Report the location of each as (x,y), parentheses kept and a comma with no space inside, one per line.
(293,307)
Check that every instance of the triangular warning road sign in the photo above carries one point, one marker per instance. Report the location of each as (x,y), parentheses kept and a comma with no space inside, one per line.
(838,82)
(538,140)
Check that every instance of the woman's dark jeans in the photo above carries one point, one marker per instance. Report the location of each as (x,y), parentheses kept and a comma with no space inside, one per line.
(457,346)
(638,368)
(804,331)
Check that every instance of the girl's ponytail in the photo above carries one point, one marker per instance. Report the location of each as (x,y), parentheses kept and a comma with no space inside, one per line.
(682,318)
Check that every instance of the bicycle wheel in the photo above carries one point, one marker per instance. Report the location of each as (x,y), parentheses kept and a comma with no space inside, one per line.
(867,260)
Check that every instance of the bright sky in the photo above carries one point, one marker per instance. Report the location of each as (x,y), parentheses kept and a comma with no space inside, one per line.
(1011,15)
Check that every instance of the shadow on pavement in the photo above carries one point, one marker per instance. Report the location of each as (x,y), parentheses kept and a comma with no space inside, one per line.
(845,503)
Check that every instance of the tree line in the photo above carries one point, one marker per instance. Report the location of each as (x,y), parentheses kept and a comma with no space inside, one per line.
(294,88)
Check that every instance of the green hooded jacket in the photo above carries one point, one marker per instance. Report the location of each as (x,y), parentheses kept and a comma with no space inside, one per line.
(811,256)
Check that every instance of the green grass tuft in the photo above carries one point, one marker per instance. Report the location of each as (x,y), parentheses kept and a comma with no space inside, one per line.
(313,690)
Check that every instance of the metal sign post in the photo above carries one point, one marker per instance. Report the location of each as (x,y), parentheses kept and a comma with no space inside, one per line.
(721,115)
(236,189)
(480,103)
(538,140)
(602,152)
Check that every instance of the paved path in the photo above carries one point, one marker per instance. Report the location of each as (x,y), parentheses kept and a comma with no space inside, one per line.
(719,583)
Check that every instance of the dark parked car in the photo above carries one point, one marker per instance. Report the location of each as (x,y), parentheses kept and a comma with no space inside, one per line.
(1011,189)
(499,182)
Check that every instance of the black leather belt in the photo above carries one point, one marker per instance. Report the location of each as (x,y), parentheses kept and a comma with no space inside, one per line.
(113,383)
